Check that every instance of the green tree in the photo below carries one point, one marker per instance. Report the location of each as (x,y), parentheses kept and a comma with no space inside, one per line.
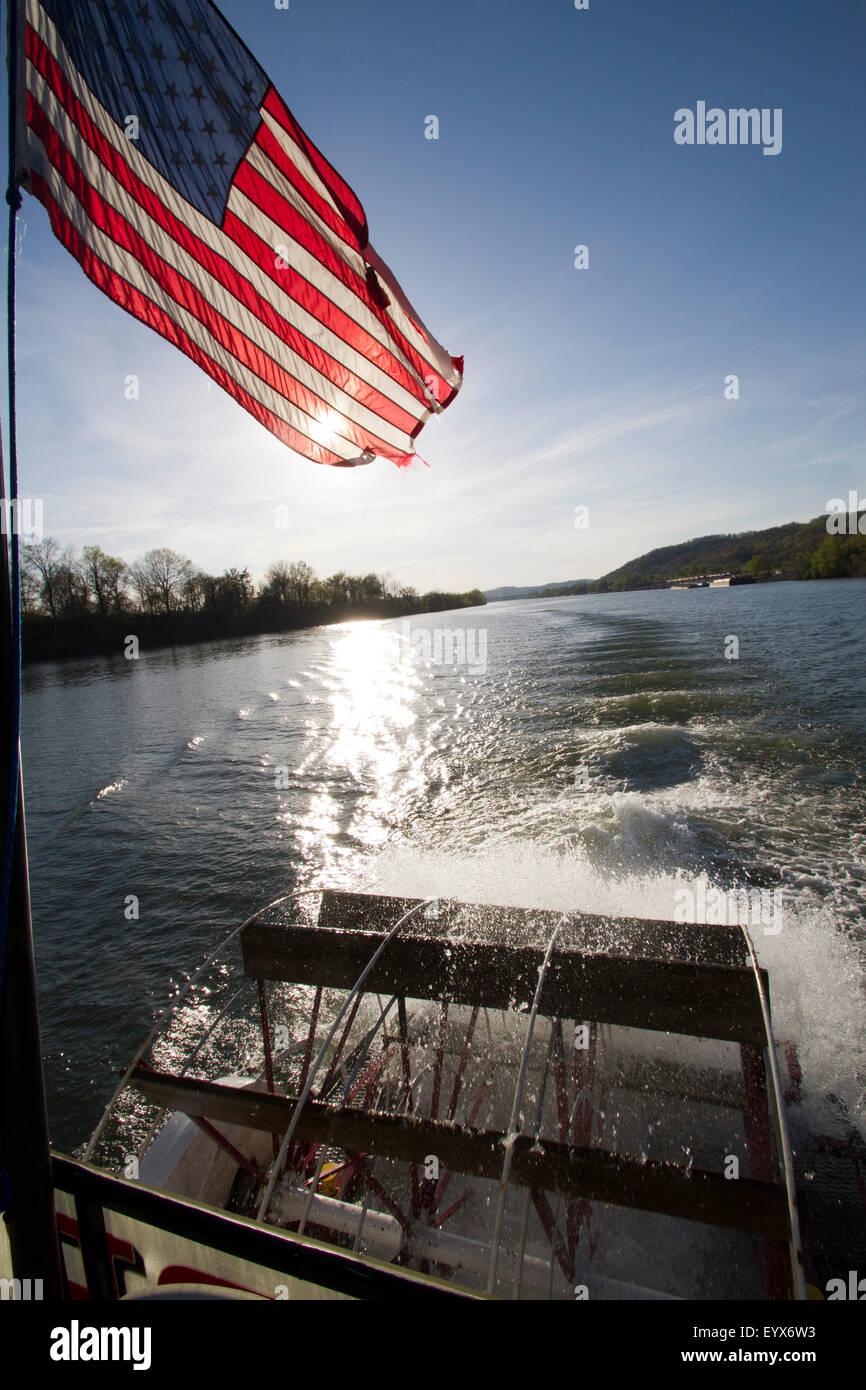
(159,577)
(234,591)
(105,576)
(301,580)
(760,563)
(43,562)
(336,588)
(830,560)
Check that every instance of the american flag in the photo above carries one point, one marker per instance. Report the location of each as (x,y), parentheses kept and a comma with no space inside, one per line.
(181,182)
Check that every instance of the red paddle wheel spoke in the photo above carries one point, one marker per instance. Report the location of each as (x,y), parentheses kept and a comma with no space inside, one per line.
(439,1188)
(311,1036)
(409,1098)
(374,1185)
(446,1177)
(461,1066)
(548,1221)
(573,1213)
(335,1060)
(439,1222)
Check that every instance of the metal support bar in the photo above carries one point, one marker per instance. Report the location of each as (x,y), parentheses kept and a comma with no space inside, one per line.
(250,1168)
(697,998)
(269,1056)
(759,1208)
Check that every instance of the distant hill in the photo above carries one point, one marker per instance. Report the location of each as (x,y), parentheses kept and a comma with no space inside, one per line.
(803,550)
(797,550)
(538,590)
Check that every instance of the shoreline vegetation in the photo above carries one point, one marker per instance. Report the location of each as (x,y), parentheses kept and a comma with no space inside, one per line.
(832,546)
(88,605)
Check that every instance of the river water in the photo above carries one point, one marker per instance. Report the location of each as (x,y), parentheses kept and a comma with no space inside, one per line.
(619,754)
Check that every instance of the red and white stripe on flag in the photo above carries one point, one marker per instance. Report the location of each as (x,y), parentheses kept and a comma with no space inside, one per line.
(259,269)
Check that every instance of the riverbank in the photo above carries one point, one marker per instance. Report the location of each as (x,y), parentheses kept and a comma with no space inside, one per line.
(44,639)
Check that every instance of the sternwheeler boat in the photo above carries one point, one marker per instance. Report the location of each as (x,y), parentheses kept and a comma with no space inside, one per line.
(358,1096)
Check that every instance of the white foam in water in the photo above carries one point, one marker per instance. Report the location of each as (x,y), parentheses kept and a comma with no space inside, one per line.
(112,787)
(815,972)
(817,999)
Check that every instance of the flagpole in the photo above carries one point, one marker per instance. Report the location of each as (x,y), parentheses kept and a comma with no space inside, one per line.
(26,1186)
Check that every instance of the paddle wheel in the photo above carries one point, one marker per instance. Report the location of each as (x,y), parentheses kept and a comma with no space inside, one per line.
(507,1102)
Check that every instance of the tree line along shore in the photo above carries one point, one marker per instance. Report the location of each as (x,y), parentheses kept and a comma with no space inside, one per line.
(83,605)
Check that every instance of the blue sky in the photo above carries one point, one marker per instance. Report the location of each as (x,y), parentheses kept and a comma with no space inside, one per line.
(601,387)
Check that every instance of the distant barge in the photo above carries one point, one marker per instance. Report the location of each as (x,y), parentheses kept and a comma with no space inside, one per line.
(721,582)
